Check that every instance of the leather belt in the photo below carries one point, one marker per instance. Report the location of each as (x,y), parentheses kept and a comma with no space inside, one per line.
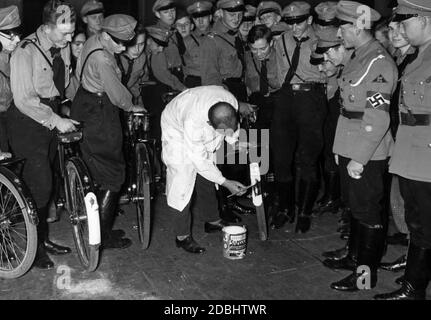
(306,86)
(352,114)
(412,120)
(235,80)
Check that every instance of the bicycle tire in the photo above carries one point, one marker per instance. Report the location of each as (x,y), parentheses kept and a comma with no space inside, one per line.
(143,207)
(11,186)
(79,184)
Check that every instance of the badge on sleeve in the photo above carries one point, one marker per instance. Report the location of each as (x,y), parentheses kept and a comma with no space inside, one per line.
(377,100)
(380,79)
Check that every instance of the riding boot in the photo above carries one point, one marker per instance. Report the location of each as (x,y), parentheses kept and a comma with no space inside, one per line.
(371,248)
(345,259)
(344,223)
(108,201)
(330,202)
(308,191)
(286,205)
(42,260)
(416,278)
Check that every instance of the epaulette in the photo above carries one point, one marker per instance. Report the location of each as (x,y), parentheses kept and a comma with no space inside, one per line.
(26,42)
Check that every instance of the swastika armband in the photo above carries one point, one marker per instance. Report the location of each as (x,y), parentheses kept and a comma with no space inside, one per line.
(378,101)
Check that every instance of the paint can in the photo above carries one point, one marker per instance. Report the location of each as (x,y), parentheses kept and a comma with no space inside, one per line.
(234,242)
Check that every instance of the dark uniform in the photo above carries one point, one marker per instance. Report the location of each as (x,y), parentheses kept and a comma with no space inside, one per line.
(363,138)
(97,103)
(411,159)
(297,127)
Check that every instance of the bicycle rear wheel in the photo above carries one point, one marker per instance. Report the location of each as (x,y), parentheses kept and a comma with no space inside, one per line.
(79,186)
(18,233)
(143,201)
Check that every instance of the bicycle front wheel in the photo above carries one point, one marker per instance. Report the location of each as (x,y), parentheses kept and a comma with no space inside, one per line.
(18,233)
(79,185)
(143,201)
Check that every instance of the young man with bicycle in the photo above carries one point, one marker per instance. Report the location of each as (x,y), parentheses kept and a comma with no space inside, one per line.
(98,103)
(39,75)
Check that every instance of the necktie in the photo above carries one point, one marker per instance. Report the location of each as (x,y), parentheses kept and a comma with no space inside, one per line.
(181,46)
(264,88)
(407,60)
(58,68)
(127,75)
(295,59)
(353,56)
(239,49)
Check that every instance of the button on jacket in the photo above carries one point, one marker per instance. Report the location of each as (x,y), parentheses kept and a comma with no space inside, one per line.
(366,85)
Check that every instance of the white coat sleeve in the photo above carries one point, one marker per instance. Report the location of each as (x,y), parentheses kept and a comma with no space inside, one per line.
(197,153)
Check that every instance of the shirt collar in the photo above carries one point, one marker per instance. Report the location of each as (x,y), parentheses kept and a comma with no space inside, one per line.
(44,42)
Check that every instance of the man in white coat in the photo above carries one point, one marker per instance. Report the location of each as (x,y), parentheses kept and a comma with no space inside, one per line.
(194,126)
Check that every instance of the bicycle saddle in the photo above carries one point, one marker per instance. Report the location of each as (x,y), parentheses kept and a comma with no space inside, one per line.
(70,137)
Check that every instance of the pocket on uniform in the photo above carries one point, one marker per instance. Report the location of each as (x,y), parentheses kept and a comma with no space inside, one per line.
(420,162)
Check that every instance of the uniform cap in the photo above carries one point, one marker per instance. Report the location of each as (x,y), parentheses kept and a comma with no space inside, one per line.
(231,5)
(326,13)
(327,38)
(268,6)
(92,7)
(352,12)
(200,9)
(160,36)
(181,13)
(412,8)
(9,18)
(296,12)
(316,59)
(161,5)
(120,26)
(249,14)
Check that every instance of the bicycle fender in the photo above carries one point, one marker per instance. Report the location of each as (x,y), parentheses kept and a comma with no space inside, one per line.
(93,219)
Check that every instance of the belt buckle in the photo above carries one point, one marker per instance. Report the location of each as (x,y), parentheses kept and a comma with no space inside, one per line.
(296,87)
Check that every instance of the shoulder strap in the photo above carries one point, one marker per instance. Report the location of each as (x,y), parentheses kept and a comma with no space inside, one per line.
(4,75)
(195,40)
(224,39)
(85,62)
(288,58)
(33,42)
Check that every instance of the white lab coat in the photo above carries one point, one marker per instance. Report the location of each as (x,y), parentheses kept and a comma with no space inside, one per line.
(190,143)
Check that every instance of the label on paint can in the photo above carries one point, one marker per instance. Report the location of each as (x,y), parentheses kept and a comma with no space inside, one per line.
(234,242)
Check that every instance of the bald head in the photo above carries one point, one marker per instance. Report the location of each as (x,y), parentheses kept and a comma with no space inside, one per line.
(223,116)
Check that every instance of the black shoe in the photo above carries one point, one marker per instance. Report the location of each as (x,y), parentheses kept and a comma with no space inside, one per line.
(308,191)
(406,292)
(303,224)
(396,266)
(116,243)
(343,264)
(118,233)
(215,227)
(242,209)
(282,218)
(400,280)
(398,239)
(336,255)
(55,249)
(42,260)
(350,283)
(330,202)
(190,245)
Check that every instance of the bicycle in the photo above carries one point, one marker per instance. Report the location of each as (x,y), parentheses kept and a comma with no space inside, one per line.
(81,202)
(18,221)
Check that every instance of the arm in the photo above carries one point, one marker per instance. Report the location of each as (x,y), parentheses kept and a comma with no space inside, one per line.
(160,69)
(375,123)
(25,96)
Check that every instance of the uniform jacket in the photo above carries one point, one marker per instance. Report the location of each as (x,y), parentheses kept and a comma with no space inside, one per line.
(139,72)
(366,85)
(219,57)
(189,142)
(192,57)
(5,91)
(412,153)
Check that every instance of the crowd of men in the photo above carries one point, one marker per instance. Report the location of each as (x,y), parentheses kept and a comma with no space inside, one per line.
(338,104)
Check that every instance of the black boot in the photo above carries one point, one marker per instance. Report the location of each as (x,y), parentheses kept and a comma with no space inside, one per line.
(396,266)
(42,260)
(308,191)
(108,202)
(286,205)
(371,248)
(416,277)
(344,223)
(330,201)
(339,260)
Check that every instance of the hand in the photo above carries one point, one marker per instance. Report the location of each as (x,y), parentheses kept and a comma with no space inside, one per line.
(137,109)
(246,109)
(355,169)
(66,125)
(235,187)
(5,155)
(337,159)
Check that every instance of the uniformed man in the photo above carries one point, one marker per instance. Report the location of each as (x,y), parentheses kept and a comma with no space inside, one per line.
(299,114)
(39,75)
(200,11)
(269,13)
(97,102)
(194,126)
(167,66)
(330,201)
(92,14)
(10,22)
(326,15)
(363,141)
(248,21)
(411,157)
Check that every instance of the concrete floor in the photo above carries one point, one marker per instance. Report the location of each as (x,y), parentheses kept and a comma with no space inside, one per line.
(286,267)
